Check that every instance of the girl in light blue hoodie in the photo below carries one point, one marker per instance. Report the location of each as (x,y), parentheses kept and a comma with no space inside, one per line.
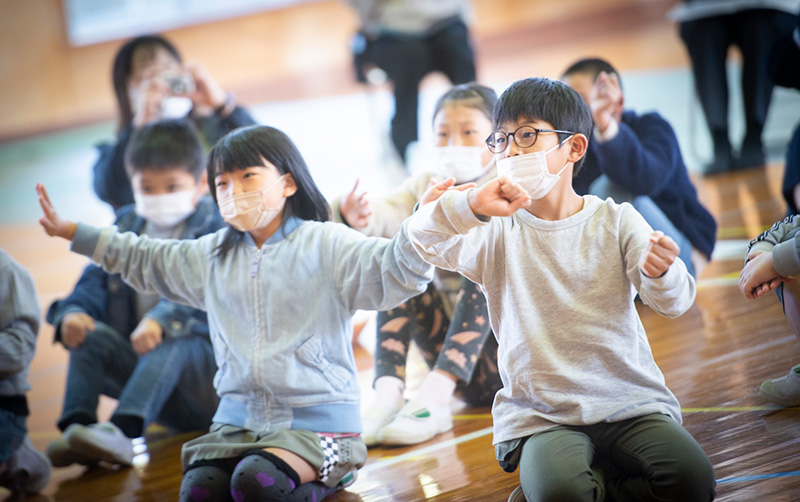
(280,286)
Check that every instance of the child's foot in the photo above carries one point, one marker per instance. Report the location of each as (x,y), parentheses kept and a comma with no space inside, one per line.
(416,423)
(517,495)
(28,469)
(61,455)
(784,390)
(103,441)
(375,418)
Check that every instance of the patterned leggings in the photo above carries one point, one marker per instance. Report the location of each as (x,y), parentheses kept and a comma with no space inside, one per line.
(460,346)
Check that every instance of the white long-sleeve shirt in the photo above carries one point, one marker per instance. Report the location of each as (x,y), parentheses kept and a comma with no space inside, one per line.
(572,349)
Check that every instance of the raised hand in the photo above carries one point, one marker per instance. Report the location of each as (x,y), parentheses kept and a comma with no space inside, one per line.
(52,224)
(437,188)
(659,255)
(74,327)
(147,336)
(499,197)
(355,208)
(207,93)
(606,99)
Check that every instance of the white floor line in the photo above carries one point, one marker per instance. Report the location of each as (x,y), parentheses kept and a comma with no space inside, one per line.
(386,462)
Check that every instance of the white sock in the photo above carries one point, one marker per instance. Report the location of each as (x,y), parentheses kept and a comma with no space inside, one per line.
(436,390)
(389,392)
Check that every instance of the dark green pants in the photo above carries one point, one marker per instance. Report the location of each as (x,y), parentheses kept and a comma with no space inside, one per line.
(649,458)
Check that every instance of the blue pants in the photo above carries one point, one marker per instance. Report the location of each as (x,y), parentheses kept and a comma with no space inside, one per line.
(604,187)
(172,384)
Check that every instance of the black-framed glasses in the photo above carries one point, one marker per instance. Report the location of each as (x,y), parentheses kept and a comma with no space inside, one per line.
(524,136)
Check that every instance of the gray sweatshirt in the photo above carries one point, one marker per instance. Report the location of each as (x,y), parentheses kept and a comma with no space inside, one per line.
(19,325)
(572,349)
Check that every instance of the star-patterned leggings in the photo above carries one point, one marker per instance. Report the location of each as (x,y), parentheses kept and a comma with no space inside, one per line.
(460,346)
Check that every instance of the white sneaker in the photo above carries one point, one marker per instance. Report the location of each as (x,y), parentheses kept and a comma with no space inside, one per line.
(28,469)
(784,390)
(103,441)
(375,418)
(61,455)
(517,495)
(416,423)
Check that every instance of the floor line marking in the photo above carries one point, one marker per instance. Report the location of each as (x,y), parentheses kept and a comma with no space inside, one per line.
(718,409)
(387,461)
(757,477)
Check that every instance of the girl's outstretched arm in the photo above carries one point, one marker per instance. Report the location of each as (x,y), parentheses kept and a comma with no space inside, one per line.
(53,225)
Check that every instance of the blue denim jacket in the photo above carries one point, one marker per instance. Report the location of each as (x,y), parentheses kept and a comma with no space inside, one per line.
(280,315)
(106,298)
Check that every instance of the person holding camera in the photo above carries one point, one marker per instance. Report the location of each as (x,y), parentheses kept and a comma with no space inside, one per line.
(151,83)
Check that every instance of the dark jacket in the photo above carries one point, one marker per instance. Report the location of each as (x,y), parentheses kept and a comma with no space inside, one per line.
(645,159)
(106,298)
(111,182)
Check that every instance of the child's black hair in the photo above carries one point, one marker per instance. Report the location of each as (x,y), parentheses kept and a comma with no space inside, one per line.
(472,94)
(166,144)
(592,67)
(545,100)
(251,146)
(121,71)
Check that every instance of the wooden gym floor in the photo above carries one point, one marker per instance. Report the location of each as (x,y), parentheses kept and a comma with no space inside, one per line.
(714,357)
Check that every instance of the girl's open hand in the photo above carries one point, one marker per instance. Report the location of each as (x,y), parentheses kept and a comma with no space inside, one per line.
(499,197)
(354,208)
(53,225)
(659,254)
(437,188)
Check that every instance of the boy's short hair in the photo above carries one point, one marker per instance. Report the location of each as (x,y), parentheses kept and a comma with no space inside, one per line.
(593,67)
(163,145)
(547,100)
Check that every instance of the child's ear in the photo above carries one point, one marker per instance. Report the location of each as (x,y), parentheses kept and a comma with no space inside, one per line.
(578,145)
(289,186)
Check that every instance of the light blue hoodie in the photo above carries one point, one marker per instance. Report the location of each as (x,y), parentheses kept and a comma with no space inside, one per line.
(280,316)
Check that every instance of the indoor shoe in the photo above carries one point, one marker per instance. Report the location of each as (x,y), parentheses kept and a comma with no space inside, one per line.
(517,495)
(61,455)
(28,469)
(375,418)
(784,390)
(103,441)
(416,423)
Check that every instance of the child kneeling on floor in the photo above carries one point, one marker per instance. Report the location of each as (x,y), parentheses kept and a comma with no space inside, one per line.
(584,410)
(280,286)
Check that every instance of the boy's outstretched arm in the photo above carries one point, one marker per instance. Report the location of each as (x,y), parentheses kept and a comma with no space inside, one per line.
(53,225)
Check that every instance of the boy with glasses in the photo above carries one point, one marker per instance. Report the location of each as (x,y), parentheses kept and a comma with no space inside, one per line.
(584,411)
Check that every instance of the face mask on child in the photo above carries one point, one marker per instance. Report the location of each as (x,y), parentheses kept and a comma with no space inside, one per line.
(531,172)
(248,211)
(165,210)
(175,107)
(464,163)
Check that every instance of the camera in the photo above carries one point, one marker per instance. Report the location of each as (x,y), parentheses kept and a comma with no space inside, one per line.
(179,83)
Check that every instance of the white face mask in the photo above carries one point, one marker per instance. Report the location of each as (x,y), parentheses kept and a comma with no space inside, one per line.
(248,211)
(165,210)
(175,107)
(531,172)
(464,163)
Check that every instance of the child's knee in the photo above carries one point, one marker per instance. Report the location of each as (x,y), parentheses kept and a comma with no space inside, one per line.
(694,482)
(563,488)
(262,476)
(205,483)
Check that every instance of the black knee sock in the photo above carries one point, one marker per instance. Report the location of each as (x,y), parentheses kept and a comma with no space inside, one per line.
(311,492)
(206,482)
(262,476)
